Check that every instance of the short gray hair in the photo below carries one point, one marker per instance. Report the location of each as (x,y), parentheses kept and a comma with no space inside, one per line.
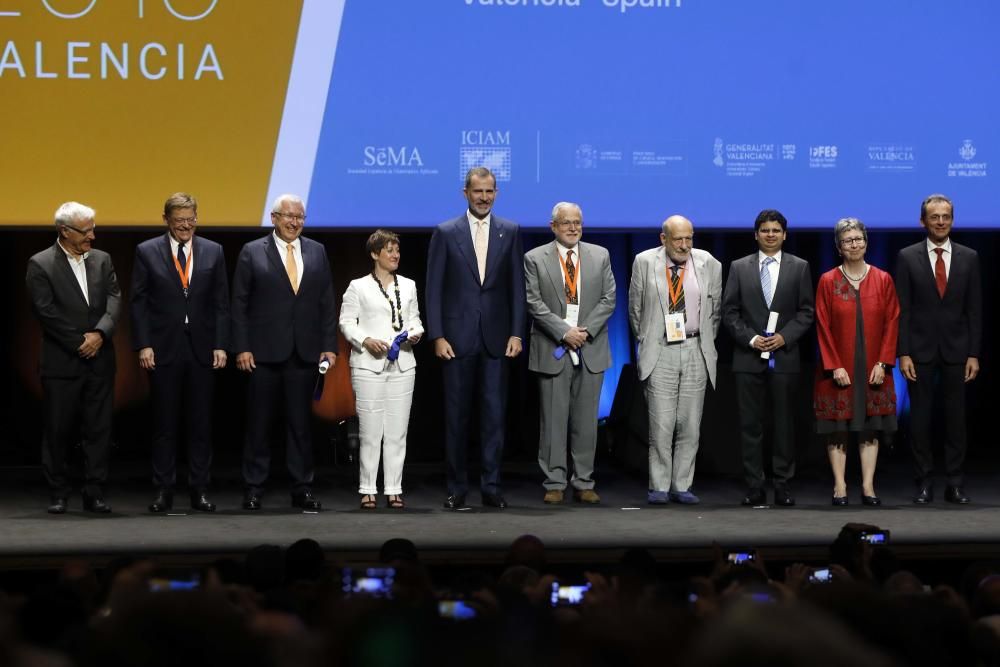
(71,212)
(291,199)
(565,204)
(845,225)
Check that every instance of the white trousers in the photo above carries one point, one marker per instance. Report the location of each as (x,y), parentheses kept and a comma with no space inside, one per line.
(383,403)
(675,393)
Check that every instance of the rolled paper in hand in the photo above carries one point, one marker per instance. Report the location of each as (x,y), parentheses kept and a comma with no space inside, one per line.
(772,324)
(324,366)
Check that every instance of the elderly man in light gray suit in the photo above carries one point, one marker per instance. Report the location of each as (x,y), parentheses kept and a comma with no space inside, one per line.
(571,295)
(674,304)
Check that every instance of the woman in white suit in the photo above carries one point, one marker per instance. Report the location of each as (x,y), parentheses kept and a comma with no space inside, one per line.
(377,310)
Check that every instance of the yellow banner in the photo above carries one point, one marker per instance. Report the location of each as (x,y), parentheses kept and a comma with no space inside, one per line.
(119,103)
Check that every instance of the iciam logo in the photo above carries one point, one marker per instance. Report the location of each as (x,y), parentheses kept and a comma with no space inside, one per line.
(485,148)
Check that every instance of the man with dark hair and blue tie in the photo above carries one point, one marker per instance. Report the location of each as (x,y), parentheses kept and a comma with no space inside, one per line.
(767,305)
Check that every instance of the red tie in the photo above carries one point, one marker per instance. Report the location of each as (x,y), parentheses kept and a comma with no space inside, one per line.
(940,277)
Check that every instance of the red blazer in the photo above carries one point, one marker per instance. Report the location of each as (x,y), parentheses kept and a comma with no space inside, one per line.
(835,331)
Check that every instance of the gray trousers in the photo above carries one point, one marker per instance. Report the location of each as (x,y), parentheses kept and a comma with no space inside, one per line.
(568,414)
(675,394)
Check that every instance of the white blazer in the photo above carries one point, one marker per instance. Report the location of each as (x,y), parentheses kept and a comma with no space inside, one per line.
(365,313)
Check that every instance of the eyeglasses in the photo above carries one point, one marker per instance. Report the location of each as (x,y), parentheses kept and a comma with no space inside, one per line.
(184,221)
(566,224)
(82,232)
(853,241)
(291,216)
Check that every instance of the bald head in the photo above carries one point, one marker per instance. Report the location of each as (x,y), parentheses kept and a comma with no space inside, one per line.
(677,238)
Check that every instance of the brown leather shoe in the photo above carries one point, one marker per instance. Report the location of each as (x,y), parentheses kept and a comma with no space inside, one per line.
(588,496)
(553,497)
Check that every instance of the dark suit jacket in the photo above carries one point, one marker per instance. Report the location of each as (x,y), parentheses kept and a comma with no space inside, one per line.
(158,304)
(929,323)
(461,309)
(744,311)
(65,315)
(272,321)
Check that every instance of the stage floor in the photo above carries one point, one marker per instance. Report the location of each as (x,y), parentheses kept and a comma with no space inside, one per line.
(31,537)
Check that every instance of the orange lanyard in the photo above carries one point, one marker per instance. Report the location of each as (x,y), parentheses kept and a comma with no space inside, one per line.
(675,294)
(186,273)
(570,284)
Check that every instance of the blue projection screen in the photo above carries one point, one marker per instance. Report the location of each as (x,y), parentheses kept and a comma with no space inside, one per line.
(641,108)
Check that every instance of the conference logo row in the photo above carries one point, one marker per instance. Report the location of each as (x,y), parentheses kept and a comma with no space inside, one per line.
(494,148)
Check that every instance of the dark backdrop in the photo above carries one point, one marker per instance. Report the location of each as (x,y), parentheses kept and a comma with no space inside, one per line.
(622,438)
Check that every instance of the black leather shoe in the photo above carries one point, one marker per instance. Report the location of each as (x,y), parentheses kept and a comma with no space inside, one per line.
(839,501)
(871,501)
(306,501)
(954,494)
(494,500)
(783,497)
(454,502)
(251,501)
(754,497)
(58,506)
(96,504)
(925,494)
(164,502)
(201,503)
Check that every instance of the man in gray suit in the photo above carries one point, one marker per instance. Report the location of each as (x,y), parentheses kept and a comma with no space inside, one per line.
(571,295)
(75,296)
(674,303)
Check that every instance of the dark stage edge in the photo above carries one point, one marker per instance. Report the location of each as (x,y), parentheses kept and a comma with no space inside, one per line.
(31,538)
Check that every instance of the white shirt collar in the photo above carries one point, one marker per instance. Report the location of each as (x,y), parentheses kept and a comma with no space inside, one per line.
(946,245)
(70,256)
(473,219)
(776,257)
(281,243)
(563,249)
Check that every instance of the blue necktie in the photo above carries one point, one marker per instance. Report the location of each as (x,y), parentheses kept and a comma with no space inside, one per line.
(181,258)
(765,280)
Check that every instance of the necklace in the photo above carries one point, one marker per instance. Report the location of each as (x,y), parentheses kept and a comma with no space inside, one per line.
(395,308)
(850,277)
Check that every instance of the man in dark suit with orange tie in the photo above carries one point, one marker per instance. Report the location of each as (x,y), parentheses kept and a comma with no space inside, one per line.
(284,324)
(180,328)
(75,296)
(476,313)
(940,337)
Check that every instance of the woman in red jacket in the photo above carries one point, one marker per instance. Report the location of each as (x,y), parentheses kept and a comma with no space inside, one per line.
(857,322)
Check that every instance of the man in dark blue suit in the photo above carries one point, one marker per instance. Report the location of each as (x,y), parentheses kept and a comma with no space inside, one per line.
(476,315)
(180,328)
(284,324)
(940,339)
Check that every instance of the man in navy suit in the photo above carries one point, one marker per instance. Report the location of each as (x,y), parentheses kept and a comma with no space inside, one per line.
(75,296)
(940,337)
(180,328)
(767,281)
(284,324)
(476,315)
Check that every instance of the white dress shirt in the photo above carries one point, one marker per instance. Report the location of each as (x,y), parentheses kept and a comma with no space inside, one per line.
(79,268)
(296,251)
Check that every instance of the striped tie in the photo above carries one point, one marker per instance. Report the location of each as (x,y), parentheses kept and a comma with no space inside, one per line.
(765,280)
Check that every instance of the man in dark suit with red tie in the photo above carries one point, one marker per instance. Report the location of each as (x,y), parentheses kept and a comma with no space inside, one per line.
(75,296)
(180,328)
(476,314)
(940,335)
(284,324)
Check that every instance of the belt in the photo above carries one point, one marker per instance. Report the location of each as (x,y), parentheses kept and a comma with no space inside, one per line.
(687,336)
